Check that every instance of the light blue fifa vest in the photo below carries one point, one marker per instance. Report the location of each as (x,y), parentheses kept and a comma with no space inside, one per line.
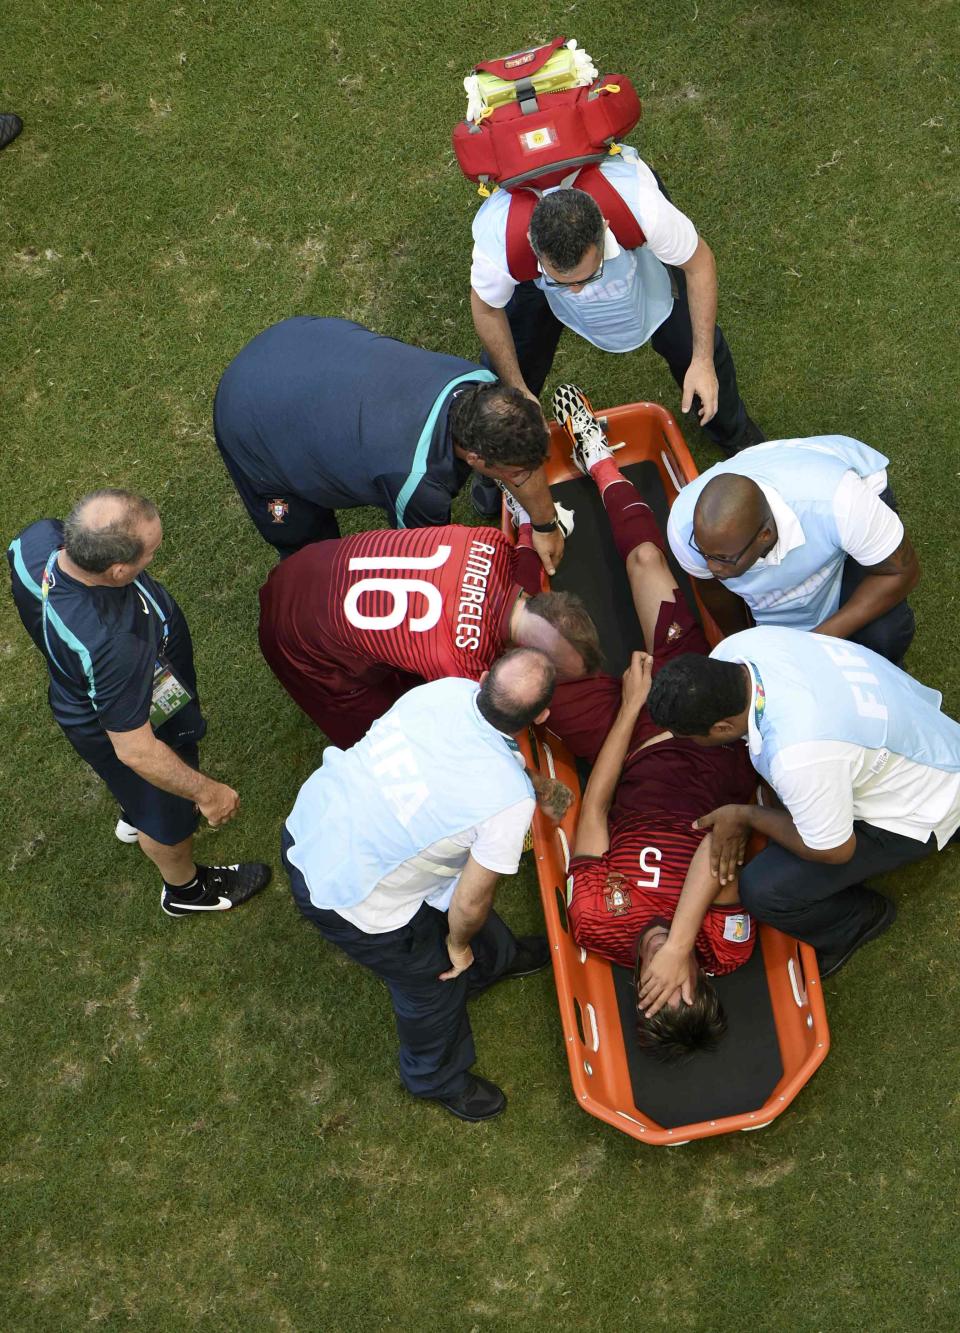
(621,310)
(817,688)
(804,589)
(429,768)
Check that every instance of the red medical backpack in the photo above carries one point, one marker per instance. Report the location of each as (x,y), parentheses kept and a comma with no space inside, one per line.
(539,140)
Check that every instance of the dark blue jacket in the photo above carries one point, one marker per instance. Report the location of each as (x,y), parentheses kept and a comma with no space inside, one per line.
(331,412)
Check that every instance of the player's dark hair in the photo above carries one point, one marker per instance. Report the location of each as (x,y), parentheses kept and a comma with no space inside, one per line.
(500,424)
(678,1031)
(569,617)
(563,226)
(691,693)
(117,542)
(517,688)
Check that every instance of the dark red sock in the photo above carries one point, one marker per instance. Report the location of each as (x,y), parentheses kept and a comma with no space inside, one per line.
(631,518)
(527,566)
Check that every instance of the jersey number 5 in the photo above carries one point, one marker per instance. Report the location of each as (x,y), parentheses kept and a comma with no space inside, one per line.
(650,859)
(400,589)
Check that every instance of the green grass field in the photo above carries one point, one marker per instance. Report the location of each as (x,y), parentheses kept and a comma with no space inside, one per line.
(202,1125)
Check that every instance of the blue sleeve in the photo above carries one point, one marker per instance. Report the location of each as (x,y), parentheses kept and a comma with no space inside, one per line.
(123,683)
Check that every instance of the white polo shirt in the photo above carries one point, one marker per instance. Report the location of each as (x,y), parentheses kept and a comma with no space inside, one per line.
(670,235)
(869,530)
(432,876)
(826,785)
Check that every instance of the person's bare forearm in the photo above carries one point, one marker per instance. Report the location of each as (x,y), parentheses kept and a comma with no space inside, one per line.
(605,774)
(778,826)
(700,888)
(157,764)
(471,903)
(702,300)
(880,592)
(535,497)
(493,330)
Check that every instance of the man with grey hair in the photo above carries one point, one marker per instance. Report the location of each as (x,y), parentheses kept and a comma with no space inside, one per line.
(123,687)
(394,849)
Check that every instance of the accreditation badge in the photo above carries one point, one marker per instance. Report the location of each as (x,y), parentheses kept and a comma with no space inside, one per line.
(169,695)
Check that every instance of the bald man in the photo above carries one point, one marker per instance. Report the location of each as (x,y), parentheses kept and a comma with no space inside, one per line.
(123,688)
(394,849)
(802,533)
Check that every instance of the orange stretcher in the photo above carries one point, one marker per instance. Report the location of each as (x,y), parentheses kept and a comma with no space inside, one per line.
(777,1032)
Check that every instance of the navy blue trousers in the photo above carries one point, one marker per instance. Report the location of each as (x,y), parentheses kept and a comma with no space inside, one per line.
(436,1043)
(827,906)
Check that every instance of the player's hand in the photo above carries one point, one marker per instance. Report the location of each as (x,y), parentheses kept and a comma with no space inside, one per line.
(549,547)
(665,980)
(554,798)
(701,381)
(461,959)
(218,804)
(637,680)
(730,831)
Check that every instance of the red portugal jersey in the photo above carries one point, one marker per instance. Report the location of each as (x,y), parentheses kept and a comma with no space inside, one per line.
(433,602)
(616,896)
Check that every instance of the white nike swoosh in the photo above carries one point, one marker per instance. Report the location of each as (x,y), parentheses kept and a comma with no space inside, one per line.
(220,905)
(146,609)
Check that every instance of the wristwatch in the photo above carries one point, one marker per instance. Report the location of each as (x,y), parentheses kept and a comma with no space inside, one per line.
(547,527)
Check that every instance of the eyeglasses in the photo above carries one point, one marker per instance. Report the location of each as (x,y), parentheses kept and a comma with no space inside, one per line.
(728,559)
(580,282)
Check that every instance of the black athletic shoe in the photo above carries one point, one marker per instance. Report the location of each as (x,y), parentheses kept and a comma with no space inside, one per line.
(748,434)
(486,497)
(884,915)
(533,955)
(224,887)
(10,127)
(480,1100)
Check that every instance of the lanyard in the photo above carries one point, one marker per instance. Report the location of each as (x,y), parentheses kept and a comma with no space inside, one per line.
(759,697)
(49,582)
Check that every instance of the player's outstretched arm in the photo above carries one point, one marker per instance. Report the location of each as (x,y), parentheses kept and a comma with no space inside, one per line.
(593,834)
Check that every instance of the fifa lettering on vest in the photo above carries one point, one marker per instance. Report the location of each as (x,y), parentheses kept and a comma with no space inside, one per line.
(856,672)
(403,787)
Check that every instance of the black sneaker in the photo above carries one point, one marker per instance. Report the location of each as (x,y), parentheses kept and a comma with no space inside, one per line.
(533,955)
(224,887)
(480,1100)
(10,127)
(486,497)
(884,915)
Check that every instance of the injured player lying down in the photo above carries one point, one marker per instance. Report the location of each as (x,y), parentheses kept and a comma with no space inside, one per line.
(643,894)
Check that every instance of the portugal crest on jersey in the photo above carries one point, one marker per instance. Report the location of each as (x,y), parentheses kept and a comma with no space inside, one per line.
(617,897)
(278,510)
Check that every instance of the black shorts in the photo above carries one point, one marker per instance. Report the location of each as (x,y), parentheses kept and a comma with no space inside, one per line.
(165,818)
